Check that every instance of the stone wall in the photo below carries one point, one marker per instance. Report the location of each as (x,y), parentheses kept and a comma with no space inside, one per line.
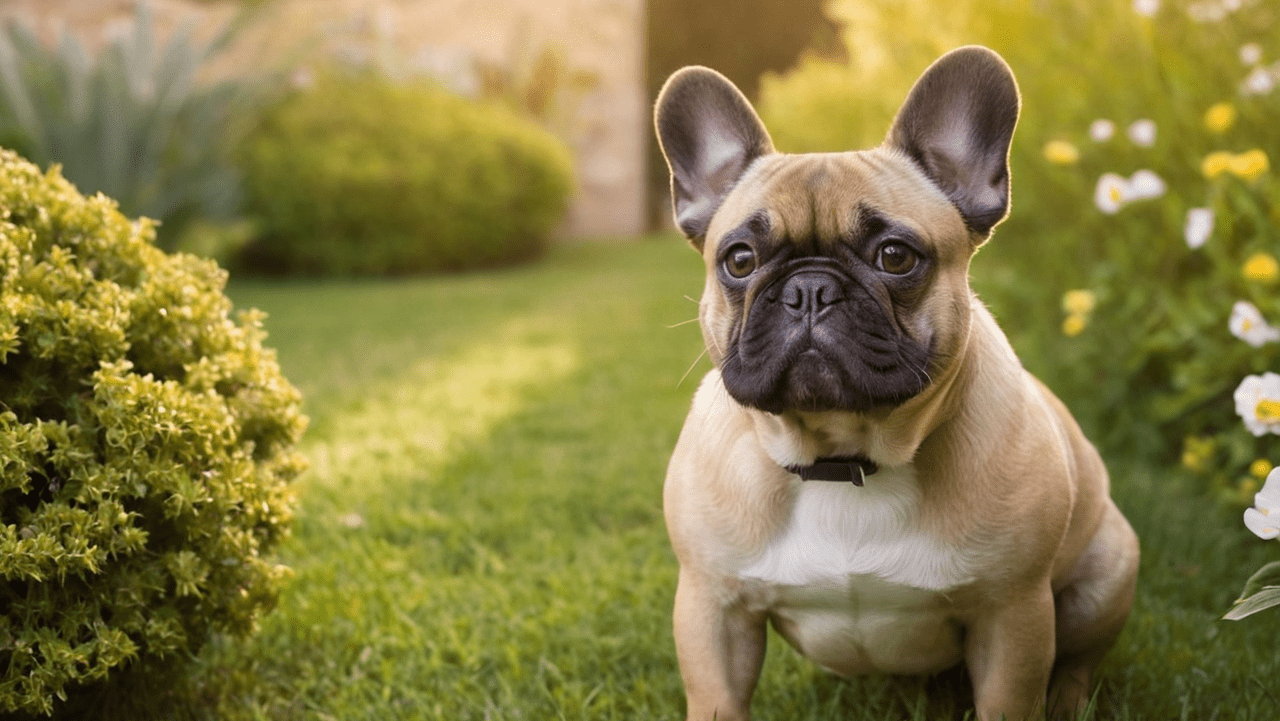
(608,119)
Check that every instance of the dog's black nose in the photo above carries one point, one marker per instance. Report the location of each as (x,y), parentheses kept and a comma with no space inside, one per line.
(810,292)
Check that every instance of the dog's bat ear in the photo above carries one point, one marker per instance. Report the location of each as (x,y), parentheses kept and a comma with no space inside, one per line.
(956,124)
(709,134)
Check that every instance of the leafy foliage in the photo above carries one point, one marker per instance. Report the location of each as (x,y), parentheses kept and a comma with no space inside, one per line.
(1261,591)
(136,122)
(361,175)
(146,440)
(1153,360)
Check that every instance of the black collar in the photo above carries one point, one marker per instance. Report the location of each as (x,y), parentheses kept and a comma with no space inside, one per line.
(845,469)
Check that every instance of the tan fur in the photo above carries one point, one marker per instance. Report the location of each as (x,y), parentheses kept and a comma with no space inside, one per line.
(1004,474)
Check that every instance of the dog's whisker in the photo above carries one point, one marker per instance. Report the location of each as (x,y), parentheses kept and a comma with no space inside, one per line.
(716,343)
(683,322)
(920,373)
(691,367)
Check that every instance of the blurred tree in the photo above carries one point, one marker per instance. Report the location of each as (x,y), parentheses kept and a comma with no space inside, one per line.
(740,38)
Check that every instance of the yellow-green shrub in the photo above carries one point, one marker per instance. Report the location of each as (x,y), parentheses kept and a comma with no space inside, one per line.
(146,440)
(360,175)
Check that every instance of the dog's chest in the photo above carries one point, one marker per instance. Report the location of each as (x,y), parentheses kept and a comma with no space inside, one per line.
(854,581)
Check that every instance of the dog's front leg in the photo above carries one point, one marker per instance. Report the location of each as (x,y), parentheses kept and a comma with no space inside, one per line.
(1009,651)
(720,648)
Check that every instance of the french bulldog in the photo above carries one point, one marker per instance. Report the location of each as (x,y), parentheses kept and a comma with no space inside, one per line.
(868,466)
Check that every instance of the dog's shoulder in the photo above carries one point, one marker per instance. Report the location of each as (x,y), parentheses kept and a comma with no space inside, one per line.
(718,503)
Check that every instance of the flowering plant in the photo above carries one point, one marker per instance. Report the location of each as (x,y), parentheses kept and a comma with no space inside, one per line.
(1177,256)
(1137,274)
(1185,332)
(1224,278)
(1262,590)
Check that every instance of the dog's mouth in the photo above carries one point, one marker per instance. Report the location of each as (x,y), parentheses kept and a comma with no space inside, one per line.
(818,340)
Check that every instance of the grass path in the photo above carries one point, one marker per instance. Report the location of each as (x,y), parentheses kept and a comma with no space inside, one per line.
(480,534)
(486,488)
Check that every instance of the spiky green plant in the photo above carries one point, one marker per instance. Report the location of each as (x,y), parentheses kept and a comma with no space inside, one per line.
(135,122)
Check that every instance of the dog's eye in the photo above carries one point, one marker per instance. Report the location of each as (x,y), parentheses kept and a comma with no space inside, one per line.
(896,258)
(740,261)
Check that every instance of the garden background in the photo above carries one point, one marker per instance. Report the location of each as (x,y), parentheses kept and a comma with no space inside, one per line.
(492,397)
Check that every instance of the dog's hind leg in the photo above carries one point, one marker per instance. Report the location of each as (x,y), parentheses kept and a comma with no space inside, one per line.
(1091,610)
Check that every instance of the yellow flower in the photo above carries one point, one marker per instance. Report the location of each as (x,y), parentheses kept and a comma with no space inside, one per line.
(1195,451)
(1260,468)
(1191,461)
(1267,411)
(1074,325)
(1216,163)
(1249,165)
(1060,152)
(1078,302)
(1262,267)
(1220,117)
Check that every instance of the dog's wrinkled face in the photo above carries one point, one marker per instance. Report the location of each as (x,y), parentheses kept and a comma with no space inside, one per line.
(839,281)
(830,283)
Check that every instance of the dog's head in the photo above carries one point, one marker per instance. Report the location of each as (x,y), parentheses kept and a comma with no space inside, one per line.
(839,281)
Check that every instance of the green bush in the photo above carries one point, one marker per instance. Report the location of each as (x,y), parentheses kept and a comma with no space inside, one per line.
(146,442)
(360,175)
(1110,304)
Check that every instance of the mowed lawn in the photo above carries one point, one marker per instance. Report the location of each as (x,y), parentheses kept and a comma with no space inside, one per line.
(480,534)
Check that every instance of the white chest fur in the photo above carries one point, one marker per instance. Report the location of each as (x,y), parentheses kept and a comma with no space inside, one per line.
(838,530)
(854,581)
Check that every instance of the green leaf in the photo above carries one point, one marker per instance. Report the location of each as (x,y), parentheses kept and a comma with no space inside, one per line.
(1268,575)
(1260,601)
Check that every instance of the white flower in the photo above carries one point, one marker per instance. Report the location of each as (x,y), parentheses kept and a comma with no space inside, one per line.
(1142,133)
(1146,8)
(1258,403)
(1259,82)
(302,78)
(1264,518)
(1145,184)
(352,520)
(1199,226)
(1102,130)
(1111,193)
(1248,325)
(1206,12)
(1251,53)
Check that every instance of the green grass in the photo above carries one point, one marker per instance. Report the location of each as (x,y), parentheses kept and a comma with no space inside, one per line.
(480,535)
